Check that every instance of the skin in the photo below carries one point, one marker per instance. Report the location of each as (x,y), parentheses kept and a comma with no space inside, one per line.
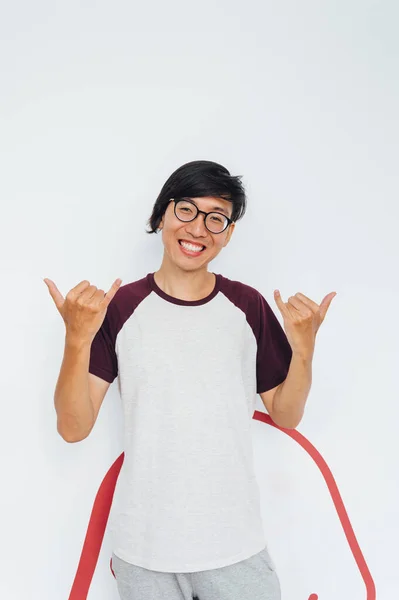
(187,277)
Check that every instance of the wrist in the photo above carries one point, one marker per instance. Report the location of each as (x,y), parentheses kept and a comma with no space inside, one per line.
(303,356)
(77,342)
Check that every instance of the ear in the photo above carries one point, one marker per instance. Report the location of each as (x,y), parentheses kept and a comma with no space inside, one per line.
(162,221)
(229,234)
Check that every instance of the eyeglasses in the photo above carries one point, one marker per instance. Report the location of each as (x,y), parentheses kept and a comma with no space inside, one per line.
(186,211)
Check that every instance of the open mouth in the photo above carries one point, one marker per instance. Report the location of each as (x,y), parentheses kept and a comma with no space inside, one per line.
(193,249)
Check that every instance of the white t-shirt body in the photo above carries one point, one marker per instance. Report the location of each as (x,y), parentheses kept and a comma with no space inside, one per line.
(188,373)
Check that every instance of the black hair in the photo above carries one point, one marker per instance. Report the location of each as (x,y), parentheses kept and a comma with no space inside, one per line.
(197,179)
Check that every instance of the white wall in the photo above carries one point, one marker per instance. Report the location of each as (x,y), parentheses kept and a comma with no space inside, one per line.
(99,103)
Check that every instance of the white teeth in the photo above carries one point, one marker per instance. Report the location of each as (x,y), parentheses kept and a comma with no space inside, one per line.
(191,247)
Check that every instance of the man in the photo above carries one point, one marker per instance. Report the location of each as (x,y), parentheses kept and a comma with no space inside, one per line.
(191,350)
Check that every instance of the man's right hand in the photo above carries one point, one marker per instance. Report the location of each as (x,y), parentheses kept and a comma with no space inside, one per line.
(83,309)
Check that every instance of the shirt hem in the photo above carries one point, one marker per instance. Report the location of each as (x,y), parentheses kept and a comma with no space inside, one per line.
(102,373)
(188,568)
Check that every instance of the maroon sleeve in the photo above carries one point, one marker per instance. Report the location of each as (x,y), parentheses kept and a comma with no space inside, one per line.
(274,351)
(103,359)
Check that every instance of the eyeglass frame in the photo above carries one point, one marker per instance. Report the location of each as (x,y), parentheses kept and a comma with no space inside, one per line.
(176,200)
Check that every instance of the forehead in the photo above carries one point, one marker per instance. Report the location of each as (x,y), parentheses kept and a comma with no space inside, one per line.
(210,203)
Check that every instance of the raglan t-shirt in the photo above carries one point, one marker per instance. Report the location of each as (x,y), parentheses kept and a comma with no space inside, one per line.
(189,372)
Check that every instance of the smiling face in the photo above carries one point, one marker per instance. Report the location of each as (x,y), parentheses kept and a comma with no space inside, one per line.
(174,230)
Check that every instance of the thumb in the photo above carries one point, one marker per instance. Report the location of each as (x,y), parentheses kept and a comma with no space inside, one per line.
(55,293)
(325,304)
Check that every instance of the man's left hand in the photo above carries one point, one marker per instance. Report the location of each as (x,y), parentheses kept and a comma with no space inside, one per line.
(302,319)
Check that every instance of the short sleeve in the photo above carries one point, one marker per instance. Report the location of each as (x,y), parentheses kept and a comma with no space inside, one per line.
(103,358)
(274,352)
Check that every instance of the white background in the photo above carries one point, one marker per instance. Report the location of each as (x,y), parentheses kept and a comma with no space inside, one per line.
(100,102)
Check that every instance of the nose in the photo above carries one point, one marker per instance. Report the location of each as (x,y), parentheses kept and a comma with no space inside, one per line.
(197,226)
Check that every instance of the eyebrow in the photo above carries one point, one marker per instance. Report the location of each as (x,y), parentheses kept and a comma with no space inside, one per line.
(217,208)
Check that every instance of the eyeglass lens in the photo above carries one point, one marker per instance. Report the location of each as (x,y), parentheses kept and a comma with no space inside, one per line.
(186,211)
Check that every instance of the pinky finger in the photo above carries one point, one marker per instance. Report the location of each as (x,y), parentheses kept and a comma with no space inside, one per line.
(112,291)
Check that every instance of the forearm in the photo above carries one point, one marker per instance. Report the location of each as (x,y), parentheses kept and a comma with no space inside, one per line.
(75,413)
(291,395)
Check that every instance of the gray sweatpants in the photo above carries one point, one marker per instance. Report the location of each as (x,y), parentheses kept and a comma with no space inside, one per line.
(254,578)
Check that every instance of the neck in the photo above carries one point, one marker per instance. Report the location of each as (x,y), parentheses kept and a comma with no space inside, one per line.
(185,285)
